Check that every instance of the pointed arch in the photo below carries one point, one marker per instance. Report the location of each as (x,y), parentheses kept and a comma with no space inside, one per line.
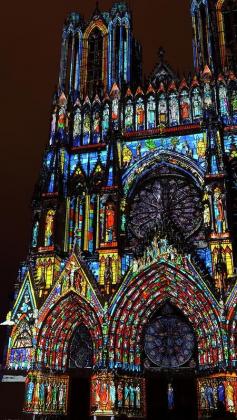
(99,26)
(20,347)
(58,326)
(133,175)
(141,296)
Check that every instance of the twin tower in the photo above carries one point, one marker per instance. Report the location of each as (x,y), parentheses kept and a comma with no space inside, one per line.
(103,52)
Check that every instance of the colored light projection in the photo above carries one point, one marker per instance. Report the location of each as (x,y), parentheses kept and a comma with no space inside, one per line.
(193,146)
(140,297)
(233,337)
(46,269)
(230,145)
(72,302)
(46,394)
(217,392)
(49,228)
(112,395)
(21,350)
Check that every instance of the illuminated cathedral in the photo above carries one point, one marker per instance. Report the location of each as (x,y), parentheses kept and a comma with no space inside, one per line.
(127,302)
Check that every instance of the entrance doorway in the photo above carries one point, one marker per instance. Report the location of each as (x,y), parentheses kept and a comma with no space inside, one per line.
(79,398)
(184,396)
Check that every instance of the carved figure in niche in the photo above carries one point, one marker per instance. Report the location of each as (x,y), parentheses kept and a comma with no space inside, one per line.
(223,100)
(126,395)
(185,110)
(49,395)
(163,245)
(78,279)
(105,122)
(206,215)
(209,396)
(55,396)
(112,392)
(186,148)
(108,274)
(104,396)
(207,100)
(127,156)
(203,400)
(29,392)
(86,129)
(77,128)
(170,396)
(129,117)
(221,393)
(140,112)
(96,127)
(36,394)
(174,109)
(115,109)
(196,102)
(151,113)
(61,395)
(201,148)
(83,288)
(230,397)
(162,111)
(61,119)
(138,151)
(135,266)
(41,394)
(132,396)
(35,234)
(72,276)
(120,395)
(110,222)
(219,210)
(97,393)
(26,304)
(49,224)
(138,396)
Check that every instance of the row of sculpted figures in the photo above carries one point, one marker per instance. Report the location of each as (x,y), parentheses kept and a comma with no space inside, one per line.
(85,122)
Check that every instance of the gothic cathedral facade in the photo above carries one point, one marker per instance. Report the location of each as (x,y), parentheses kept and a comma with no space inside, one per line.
(130,281)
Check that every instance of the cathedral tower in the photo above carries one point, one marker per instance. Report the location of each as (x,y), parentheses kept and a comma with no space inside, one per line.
(215,34)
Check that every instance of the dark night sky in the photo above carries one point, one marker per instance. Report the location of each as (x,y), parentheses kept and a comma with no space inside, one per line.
(30,37)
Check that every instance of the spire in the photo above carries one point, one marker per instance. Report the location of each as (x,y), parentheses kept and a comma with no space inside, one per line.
(162,71)
(150,89)
(172,86)
(206,74)
(161,55)
(97,10)
(183,85)
(129,92)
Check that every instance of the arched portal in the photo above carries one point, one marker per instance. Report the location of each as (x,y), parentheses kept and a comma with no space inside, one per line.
(145,293)
(61,325)
(165,323)
(169,340)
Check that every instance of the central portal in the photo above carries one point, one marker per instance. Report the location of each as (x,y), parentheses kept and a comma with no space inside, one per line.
(171,395)
(170,360)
